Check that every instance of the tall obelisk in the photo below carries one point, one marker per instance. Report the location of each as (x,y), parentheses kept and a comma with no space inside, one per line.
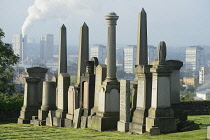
(141,53)
(83,51)
(63,81)
(62,57)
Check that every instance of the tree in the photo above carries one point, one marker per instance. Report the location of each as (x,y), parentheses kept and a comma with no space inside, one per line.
(7,60)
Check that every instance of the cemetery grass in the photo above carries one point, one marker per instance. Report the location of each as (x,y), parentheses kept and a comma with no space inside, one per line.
(26,131)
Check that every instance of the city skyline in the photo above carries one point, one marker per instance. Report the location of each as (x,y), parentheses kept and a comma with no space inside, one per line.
(178,23)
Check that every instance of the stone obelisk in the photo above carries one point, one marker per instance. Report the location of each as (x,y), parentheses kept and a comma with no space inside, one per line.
(62,58)
(63,81)
(109,99)
(83,56)
(141,53)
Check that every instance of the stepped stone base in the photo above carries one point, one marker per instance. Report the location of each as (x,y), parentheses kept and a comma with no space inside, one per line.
(105,121)
(122,126)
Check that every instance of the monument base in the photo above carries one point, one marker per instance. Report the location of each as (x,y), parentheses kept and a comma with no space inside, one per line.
(42,115)
(162,118)
(39,122)
(122,126)
(68,123)
(105,121)
(26,114)
(59,118)
(138,121)
(49,119)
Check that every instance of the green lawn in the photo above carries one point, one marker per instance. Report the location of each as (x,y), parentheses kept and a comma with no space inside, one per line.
(22,132)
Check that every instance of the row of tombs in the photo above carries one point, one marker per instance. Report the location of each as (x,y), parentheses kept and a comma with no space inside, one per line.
(99,101)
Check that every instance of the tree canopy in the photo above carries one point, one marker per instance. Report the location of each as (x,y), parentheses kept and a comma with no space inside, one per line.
(7,60)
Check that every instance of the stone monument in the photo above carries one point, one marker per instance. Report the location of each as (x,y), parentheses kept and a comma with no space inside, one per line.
(107,115)
(63,81)
(161,115)
(123,124)
(141,54)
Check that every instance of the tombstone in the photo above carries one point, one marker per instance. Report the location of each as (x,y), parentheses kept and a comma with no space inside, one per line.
(107,115)
(38,72)
(48,102)
(123,124)
(77,118)
(63,82)
(161,115)
(83,51)
(144,92)
(63,85)
(141,54)
(175,80)
(49,119)
(208,133)
(87,91)
(31,102)
(73,104)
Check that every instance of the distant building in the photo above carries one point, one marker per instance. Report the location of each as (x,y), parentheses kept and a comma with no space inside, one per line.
(129,55)
(190,81)
(46,46)
(203,95)
(98,51)
(152,53)
(204,75)
(195,58)
(19,45)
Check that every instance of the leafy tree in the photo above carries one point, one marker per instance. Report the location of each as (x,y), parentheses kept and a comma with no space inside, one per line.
(7,60)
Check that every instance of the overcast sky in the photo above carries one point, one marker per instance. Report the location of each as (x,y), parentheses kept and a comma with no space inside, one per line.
(177,22)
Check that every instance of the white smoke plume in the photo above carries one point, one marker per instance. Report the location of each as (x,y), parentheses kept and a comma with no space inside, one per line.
(60,10)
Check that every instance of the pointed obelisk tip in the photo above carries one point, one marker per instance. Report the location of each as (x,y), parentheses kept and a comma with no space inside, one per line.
(63,26)
(162,43)
(84,25)
(142,10)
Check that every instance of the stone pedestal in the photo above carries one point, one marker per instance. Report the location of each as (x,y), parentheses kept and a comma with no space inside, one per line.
(161,115)
(123,124)
(134,98)
(208,133)
(175,80)
(144,94)
(48,102)
(37,72)
(31,103)
(107,115)
(63,85)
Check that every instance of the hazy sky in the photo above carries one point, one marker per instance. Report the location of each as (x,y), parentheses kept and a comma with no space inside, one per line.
(177,22)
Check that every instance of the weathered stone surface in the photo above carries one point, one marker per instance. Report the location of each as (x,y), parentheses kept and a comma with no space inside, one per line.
(208,132)
(124,106)
(31,103)
(49,119)
(83,56)
(77,118)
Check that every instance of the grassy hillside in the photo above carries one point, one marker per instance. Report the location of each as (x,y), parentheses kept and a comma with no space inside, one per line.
(16,131)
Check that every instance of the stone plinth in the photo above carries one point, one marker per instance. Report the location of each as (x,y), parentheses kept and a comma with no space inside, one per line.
(143,104)
(161,114)
(31,103)
(63,85)
(107,115)
(175,80)
(123,124)
(208,133)
(37,72)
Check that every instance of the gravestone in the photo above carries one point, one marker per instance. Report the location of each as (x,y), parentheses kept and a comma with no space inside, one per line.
(123,124)
(37,72)
(107,115)
(161,115)
(31,102)
(141,54)
(73,104)
(143,99)
(48,102)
